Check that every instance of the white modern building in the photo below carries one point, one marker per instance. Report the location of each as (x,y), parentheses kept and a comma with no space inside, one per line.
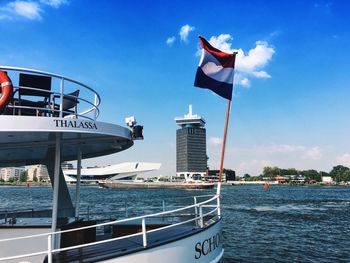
(122,171)
(11,173)
(38,173)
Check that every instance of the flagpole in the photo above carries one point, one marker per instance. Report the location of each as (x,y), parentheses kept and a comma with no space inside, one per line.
(223,147)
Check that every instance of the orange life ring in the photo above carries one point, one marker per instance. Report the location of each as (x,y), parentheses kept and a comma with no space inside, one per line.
(6,90)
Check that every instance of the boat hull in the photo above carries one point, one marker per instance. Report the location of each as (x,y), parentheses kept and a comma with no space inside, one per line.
(205,246)
(163,185)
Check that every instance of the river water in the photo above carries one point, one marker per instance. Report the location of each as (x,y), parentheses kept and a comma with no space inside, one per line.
(281,224)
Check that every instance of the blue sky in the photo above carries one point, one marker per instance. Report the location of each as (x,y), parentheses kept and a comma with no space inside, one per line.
(291,97)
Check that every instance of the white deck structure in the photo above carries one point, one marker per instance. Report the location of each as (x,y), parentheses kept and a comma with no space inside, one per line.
(59,123)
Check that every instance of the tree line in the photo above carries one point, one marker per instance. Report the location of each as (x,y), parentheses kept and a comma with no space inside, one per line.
(338,173)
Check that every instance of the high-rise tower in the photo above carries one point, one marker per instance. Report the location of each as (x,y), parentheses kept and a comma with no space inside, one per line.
(191,148)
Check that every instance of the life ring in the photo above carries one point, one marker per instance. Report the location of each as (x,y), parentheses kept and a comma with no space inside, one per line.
(6,90)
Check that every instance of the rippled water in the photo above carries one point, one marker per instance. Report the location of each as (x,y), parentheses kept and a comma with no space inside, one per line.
(287,224)
(282,224)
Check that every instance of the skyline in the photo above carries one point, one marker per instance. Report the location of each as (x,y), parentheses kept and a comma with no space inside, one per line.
(289,107)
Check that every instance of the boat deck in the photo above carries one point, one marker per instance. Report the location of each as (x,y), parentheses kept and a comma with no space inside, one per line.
(117,248)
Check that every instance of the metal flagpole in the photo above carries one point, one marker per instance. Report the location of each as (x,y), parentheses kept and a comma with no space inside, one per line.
(225,135)
(223,147)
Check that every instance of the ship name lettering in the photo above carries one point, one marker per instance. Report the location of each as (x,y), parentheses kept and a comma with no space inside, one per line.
(76,124)
(207,246)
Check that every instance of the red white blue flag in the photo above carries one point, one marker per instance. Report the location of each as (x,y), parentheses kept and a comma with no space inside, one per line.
(215,70)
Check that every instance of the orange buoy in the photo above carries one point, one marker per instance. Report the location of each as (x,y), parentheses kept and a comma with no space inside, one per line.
(6,90)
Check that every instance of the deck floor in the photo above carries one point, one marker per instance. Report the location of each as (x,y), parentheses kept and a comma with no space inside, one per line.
(125,246)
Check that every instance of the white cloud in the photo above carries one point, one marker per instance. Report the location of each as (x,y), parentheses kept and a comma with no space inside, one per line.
(222,42)
(284,148)
(344,159)
(215,141)
(248,64)
(253,159)
(31,10)
(314,153)
(245,82)
(256,58)
(54,3)
(184,32)
(240,80)
(249,166)
(26,9)
(297,151)
(170,41)
(311,153)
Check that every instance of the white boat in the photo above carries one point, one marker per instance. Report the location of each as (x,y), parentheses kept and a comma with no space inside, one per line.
(59,122)
(121,171)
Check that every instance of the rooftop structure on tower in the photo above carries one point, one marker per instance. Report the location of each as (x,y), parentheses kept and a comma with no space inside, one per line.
(190,119)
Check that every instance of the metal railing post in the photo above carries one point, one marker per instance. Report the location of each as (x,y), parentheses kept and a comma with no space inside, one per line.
(144,237)
(163,205)
(95,104)
(61,96)
(201,224)
(49,248)
(218,206)
(195,209)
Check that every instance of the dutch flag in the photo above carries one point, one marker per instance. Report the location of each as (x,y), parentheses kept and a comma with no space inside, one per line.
(215,70)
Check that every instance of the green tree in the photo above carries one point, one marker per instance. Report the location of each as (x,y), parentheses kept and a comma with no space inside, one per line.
(322,173)
(246,177)
(339,173)
(346,176)
(292,171)
(312,175)
(271,171)
(23,177)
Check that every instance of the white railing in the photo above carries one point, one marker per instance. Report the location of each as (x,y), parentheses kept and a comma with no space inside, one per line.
(199,219)
(88,100)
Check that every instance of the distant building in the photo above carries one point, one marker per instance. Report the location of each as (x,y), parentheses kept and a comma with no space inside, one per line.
(227,175)
(121,171)
(11,173)
(67,166)
(191,152)
(327,179)
(280,179)
(289,178)
(38,173)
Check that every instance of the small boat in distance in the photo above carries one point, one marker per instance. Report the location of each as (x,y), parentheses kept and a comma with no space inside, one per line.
(49,119)
(158,184)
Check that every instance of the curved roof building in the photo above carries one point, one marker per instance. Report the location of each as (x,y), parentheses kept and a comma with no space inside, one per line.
(122,171)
